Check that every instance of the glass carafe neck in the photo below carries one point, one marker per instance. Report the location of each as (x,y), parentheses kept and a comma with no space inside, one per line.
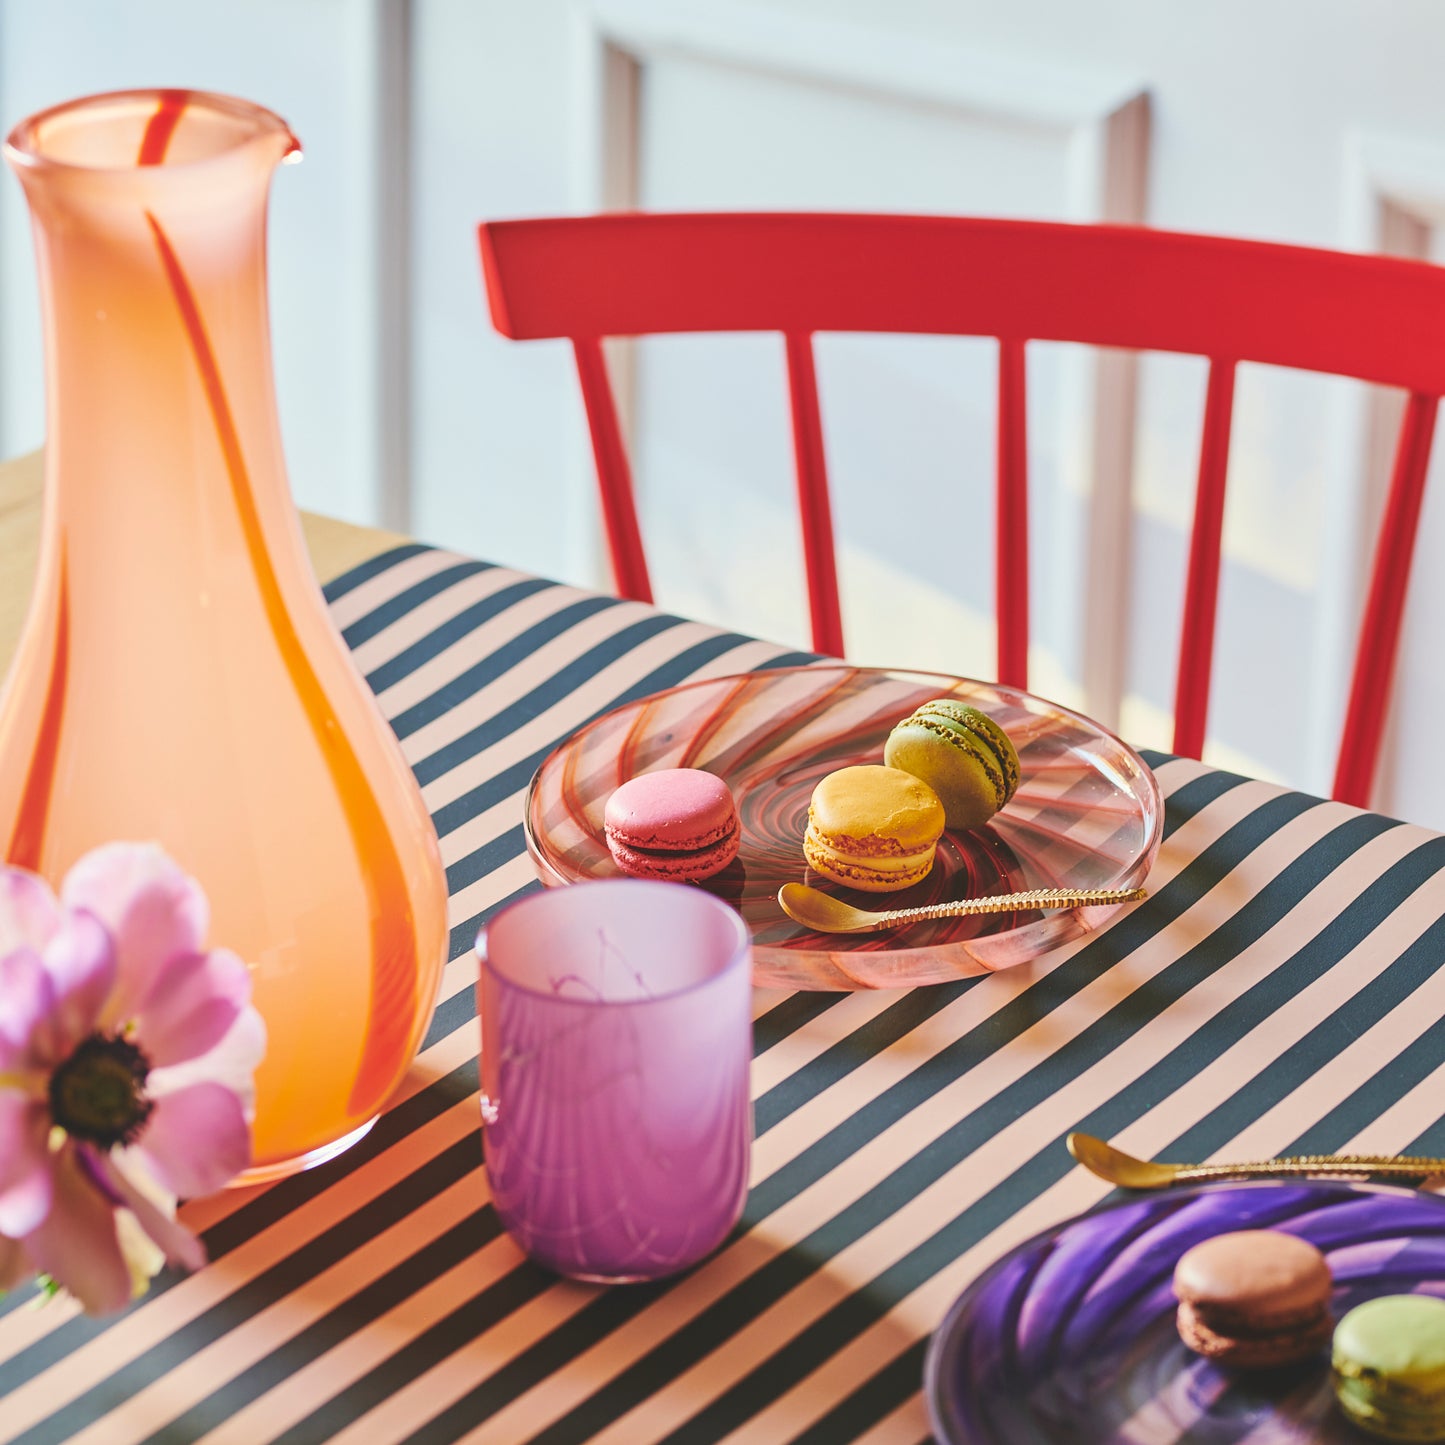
(149,213)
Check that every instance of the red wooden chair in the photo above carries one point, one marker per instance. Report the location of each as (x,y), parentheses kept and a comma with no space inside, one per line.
(1372,317)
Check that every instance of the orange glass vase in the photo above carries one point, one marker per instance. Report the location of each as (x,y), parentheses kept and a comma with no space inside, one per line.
(179,679)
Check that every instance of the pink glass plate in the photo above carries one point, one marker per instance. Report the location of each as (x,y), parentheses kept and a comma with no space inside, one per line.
(1087,814)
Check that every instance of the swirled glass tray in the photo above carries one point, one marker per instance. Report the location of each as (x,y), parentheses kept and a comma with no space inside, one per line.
(1070,1338)
(1087,814)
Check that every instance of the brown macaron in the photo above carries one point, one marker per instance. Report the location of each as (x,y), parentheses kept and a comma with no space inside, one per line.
(1254,1299)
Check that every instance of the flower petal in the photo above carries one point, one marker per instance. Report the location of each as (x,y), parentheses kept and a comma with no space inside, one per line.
(197,1140)
(76,1244)
(81,961)
(143,1256)
(180,1246)
(27,998)
(25,1183)
(29,914)
(152,909)
(192,1004)
(233,1062)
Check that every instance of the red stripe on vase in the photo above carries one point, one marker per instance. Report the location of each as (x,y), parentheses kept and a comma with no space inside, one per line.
(28,836)
(393,947)
(161,127)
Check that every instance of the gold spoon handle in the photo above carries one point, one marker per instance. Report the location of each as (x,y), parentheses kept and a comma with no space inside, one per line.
(1009,903)
(1396,1166)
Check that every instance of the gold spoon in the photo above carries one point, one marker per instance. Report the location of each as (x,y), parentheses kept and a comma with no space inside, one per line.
(825,914)
(1131,1173)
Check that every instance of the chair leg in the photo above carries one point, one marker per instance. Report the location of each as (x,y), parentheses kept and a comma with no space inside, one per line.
(614,475)
(1201,589)
(1385,607)
(1011,566)
(814,508)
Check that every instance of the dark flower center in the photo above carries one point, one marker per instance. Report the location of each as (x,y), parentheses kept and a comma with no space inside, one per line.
(98,1094)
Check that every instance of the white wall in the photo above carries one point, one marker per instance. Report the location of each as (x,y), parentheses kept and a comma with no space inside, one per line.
(315,63)
(1315,124)
(498,465)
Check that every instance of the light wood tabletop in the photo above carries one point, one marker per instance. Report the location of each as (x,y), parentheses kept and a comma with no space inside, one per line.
(334,546)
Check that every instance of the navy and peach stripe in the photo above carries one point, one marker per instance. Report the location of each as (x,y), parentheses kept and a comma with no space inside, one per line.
(904,1140)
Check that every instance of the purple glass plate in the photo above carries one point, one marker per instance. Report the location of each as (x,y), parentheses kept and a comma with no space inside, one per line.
(1070,1338)
(1087,814)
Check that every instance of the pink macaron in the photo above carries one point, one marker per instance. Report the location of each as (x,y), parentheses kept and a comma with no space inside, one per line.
(679,824)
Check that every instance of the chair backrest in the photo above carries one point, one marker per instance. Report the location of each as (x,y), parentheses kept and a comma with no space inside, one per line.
(1376,318)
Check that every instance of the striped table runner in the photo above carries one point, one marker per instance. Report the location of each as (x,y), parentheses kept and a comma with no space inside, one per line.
(1278,991)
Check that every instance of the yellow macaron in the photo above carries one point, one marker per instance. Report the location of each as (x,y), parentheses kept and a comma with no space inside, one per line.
(873,828)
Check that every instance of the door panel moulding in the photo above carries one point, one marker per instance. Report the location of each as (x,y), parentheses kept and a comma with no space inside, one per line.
(1101,118)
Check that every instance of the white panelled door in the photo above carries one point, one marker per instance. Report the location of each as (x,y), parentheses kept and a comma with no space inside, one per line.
(399,403)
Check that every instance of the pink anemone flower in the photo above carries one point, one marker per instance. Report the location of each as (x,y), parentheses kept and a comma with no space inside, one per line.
(126,1055)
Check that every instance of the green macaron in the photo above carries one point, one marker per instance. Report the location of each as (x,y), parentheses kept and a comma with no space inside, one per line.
(962,754)
(1389,1366)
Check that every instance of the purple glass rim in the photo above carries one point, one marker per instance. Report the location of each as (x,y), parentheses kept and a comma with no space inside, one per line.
(946,1430)
(738,956)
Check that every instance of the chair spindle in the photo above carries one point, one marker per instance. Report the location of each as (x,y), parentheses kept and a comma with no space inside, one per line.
(814,508)
(1379,642)
(1201,589)
(614,475)
(1011,562)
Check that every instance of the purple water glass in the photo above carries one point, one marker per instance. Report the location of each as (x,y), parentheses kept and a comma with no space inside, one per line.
(616,1039)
